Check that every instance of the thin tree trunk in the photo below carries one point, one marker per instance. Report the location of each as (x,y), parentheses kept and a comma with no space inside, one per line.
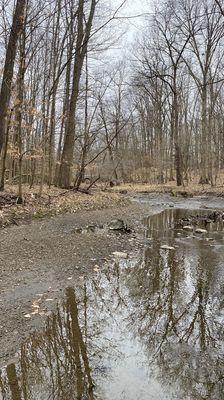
(6,86)
(18,116)
(4,154)
(81,171)
(175,117)
(81,49)
(204,153)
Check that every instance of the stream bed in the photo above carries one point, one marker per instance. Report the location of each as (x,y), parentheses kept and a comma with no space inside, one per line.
(149,326)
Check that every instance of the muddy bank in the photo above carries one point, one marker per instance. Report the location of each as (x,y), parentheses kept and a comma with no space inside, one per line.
(52,202)
(193,189)
(41,259)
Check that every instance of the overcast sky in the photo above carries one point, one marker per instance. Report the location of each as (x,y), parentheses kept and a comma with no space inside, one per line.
(132,26)
(137,6)
(133,8)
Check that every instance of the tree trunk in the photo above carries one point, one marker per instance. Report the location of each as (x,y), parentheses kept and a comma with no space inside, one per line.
(6,86)
(19,106)
(175,122)
(204,151)
(81,171)
(81,49)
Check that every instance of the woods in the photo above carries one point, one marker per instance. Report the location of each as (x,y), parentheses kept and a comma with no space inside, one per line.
(71,112)
(111,199)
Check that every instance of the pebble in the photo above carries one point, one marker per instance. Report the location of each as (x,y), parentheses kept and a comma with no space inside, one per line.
(166,247)
(120,254)
(199,230)
(188,228)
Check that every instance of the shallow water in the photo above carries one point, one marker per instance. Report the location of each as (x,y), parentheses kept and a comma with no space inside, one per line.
(147,328)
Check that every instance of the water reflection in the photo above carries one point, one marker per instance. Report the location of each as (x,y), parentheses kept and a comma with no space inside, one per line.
(53,364)
(146,329)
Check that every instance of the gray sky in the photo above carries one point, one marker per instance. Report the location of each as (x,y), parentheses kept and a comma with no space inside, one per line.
(134,8)
(132,26)
(137,6)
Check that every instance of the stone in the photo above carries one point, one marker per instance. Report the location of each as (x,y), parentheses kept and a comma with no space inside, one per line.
(166,247)
(123,191)
(77,230)
(188,228)
(199,230)
(91,228)
(117,225)
(120,254)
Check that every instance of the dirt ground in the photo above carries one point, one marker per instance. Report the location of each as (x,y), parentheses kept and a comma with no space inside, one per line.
(37,261)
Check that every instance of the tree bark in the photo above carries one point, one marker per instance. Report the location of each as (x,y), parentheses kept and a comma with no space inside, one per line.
(176,134)
(80,52)
(6,86)
(204,137)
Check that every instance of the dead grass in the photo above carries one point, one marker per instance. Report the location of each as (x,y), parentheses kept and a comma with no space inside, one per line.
(192,189)
(54,201)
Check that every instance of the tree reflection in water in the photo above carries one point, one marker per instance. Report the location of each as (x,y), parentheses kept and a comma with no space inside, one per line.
(170,302)
(177,296)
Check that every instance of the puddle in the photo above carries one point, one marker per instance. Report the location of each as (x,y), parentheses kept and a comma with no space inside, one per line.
(148,328)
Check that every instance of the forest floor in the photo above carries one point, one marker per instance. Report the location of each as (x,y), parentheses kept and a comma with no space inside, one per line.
(193,189)
(56,201)
(40,259)
(53,202)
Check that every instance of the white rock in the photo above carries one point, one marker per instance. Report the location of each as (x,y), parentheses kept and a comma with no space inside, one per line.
(188,228)
(120,254)
(199,230)
(166,247)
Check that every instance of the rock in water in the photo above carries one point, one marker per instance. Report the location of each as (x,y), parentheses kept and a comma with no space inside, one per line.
(166,247)
(199,230)
(188,228)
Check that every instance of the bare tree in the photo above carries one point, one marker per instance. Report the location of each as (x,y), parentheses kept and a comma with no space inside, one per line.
(83,36)
(6,85)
